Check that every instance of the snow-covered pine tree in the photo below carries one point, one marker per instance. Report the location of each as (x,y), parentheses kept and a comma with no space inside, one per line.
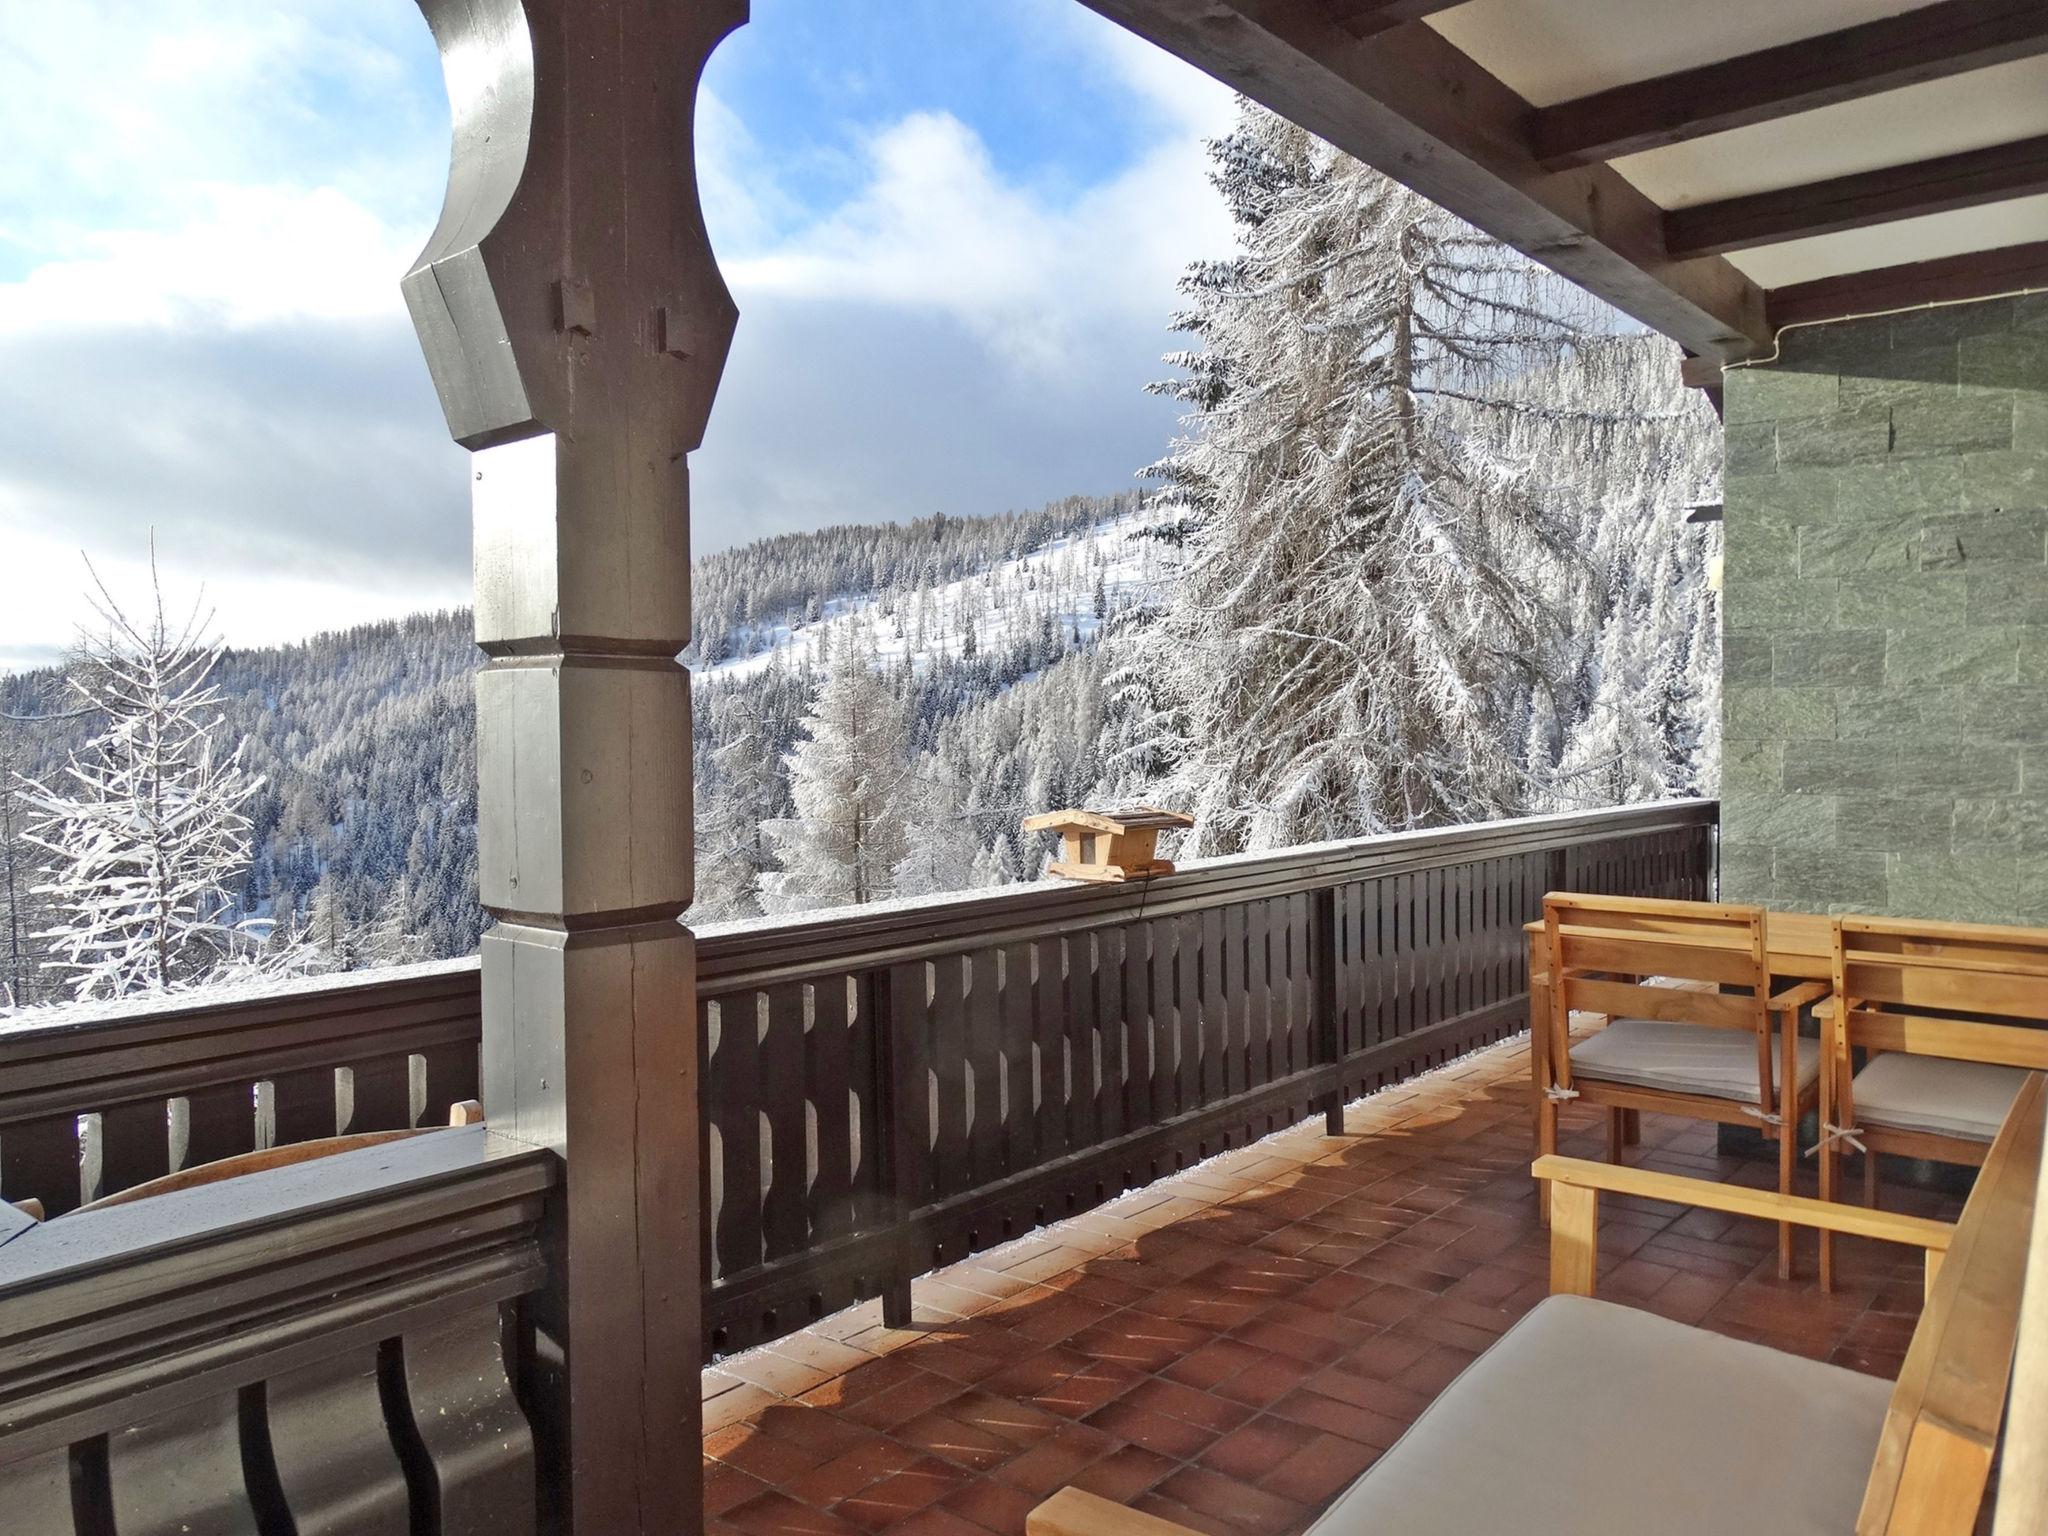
(743,792)
(389,939)
(847,778)
(22,911)
(331,939)
(938,834)
(146,826)
(1626,700)
(1375,573)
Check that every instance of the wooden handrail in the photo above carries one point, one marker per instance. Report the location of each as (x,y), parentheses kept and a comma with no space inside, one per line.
(1741,1200)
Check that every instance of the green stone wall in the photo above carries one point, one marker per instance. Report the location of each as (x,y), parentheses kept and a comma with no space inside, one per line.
(1886,618)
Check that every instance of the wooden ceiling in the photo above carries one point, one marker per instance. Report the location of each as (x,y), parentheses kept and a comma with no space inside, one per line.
(1716,168)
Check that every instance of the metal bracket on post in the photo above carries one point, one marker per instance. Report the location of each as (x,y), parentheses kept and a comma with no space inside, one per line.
(1322,969)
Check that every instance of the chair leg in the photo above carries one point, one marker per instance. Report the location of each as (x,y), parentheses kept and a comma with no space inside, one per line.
(1828,1171)
(1632,1127)
(1870,1179)
(1617,1133)
(1788,1163)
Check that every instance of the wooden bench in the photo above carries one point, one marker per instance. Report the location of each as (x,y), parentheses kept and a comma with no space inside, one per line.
(1948,1018)
(1593,1419)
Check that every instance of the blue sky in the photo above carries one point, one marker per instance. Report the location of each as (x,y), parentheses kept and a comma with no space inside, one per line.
(953,230)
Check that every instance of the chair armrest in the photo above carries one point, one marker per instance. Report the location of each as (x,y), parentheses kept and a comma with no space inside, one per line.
(1071,1512)
(1802,994)
(1740,1200)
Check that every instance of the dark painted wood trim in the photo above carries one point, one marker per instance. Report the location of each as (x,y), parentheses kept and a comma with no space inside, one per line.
(1944,280)
(112,1317)
(1410,103)
(760,955)
(1968,180)
(158,1053)
(1929,43)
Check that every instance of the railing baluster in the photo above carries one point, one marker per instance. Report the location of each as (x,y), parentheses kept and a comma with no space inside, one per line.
(1322,969)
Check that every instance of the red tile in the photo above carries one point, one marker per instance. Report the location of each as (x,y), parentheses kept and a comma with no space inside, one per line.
(1320,1470)
(776,1514)
(900,1495)
(1123,1474)
(1252,1450)
(992,1505)
(1157,1432)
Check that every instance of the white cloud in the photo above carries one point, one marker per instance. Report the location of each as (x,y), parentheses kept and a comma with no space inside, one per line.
(936,228)
(206,208)
(246,255)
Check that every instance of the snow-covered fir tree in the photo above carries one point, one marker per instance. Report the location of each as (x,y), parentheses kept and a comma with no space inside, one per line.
(848,778)
(145,829)
(1380,558)
(742,789)
(1628,698)
(24,911)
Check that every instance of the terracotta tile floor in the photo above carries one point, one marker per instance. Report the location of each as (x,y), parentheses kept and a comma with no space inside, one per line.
(1232,1346)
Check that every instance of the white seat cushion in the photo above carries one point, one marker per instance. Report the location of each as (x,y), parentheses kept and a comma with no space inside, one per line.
(1591,1419)
(1936,1093)
(1685,1058)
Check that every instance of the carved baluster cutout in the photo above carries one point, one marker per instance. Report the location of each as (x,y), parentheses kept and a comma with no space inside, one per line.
(181,1473)
(35,1496)
(468,1446)
(335,1464)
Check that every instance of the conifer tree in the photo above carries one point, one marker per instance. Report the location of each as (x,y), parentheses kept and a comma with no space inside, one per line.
(1379,566)
(146,826)
(847,779)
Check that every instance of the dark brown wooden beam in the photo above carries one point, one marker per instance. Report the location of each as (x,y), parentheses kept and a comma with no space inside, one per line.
(1945,280)
(1410,103)
(1968,180)
(1363,18)
(1930,43)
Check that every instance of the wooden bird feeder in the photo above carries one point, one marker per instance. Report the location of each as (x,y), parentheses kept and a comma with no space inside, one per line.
(1109,845)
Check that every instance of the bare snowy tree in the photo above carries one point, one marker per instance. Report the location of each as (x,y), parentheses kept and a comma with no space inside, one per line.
(847,777)
(145,826)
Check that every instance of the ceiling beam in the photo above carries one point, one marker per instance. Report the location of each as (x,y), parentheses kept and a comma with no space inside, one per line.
(1945,280)
(1363,18)
(1978,176)
(1930,43)
(1410,103)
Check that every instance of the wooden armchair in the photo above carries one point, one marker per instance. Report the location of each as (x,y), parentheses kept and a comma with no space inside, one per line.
(1732,1055)
(1949,1018)
(1592,1419)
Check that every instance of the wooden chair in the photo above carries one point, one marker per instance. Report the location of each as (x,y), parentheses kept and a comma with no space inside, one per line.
(1949,1019)
(1732,1055)
(465,1112)
(1590,1419)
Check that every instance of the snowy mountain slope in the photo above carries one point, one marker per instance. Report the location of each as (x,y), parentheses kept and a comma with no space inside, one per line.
(1076,581)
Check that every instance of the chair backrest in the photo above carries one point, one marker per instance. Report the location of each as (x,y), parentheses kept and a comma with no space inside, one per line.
(1604,948)
(1934,1454)
(1967,991)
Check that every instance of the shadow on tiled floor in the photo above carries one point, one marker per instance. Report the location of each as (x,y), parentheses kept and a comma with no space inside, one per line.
(1230,1347)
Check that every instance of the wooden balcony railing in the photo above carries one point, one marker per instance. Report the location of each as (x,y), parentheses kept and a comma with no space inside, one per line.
(889,1088)
(317,1348)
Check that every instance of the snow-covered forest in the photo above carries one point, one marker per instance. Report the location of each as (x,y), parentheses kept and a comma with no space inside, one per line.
(1418,556)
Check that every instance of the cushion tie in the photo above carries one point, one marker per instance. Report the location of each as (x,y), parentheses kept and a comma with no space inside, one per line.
(1762,1114)
(1558,1094)
(1842,1133)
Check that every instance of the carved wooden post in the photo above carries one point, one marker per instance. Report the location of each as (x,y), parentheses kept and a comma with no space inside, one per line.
(575,323)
